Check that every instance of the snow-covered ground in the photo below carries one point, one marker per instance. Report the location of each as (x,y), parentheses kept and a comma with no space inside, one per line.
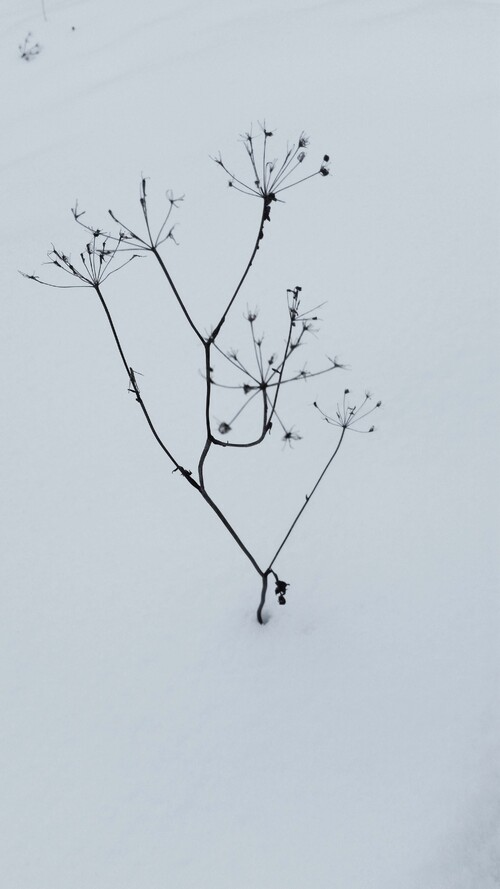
(152,733)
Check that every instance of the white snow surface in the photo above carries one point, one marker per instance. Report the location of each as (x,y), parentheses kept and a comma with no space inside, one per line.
(152,733)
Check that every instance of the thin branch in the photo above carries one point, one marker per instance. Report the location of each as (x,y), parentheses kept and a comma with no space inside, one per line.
(135,388)
(235,361)
(260,235)
(184,310)
(306,502)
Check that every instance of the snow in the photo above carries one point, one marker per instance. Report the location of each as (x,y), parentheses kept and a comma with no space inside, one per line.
(153,734)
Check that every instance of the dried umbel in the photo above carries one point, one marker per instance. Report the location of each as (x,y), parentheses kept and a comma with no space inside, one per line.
(265,375)
(272,176)
(347,416)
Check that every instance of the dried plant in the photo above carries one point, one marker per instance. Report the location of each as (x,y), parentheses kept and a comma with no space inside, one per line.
(29,50)
(105,253)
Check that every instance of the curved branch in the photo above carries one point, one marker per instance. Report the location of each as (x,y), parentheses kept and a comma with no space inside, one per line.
(135,388)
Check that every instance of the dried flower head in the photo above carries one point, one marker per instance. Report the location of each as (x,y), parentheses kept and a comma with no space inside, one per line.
(271,176)
(289,436)
(347,416)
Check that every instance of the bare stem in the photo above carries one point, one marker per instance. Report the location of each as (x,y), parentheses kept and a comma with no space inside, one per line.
(208,395)
(229,527)
(97,259)
(260,235)
(307,501)
(177,295)
(262,597)
(135,387)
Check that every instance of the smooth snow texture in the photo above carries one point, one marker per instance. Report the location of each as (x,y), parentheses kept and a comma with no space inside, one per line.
(153,735)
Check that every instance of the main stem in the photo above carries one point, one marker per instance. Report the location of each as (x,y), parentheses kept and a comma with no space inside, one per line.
(262,597)
(177,294)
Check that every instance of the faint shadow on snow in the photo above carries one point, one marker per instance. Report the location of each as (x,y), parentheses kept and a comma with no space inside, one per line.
(472,857)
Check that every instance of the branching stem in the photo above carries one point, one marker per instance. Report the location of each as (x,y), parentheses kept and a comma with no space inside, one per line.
(98,259)
(186,474)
